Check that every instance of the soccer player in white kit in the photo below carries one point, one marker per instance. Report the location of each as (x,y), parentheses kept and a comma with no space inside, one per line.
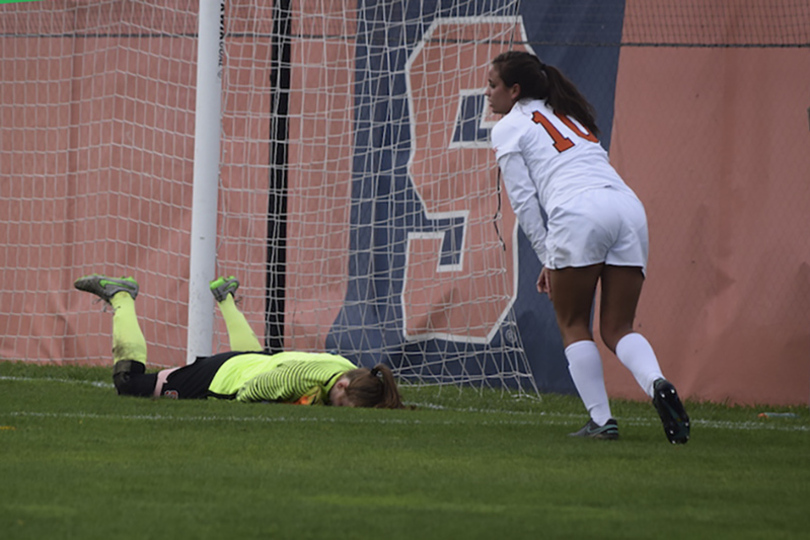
(595,230)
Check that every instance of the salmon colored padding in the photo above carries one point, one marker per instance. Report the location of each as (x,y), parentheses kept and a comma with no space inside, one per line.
(716,143)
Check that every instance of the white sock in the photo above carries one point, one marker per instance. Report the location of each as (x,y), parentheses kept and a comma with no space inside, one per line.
(585,366)
(637,355)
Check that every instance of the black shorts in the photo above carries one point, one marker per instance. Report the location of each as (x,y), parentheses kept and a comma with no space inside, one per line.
(192,381)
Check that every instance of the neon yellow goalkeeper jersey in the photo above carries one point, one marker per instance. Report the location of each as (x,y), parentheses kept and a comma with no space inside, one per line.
(284,377)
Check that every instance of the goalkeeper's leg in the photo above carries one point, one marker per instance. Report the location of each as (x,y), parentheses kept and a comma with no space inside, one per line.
(240,334)
(129,345)
(129,350)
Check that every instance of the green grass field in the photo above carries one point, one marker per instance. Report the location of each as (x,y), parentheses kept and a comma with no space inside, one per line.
(77,461)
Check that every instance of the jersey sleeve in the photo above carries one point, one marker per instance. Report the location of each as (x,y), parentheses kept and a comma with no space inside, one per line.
(523,196)
(505,138)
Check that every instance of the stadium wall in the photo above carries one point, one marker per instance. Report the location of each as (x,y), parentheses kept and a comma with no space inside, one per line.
(715,140)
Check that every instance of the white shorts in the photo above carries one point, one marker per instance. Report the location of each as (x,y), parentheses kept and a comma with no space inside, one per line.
(601,225)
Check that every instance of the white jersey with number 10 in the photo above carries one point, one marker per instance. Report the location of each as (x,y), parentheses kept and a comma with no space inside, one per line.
(562,157)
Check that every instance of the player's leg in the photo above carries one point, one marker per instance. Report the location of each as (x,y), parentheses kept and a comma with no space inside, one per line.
(129,346)
(573,292)
(240,334)
(621,289)
(622,280)
(129,350)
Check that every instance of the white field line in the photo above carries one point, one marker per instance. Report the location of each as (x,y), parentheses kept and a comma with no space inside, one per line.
(98,384)
(517,418)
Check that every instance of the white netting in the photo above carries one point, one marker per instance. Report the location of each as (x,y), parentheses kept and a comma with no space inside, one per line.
(359,203)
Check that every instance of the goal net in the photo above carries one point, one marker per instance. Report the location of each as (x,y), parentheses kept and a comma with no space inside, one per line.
(358,202)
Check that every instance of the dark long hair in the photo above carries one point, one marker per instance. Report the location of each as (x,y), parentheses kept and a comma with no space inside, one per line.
(373,387)
(542,81)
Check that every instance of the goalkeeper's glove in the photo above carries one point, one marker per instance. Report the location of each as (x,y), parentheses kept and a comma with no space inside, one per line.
(313,396)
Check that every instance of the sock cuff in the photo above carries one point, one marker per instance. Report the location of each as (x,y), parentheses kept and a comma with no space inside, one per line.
(629,340)
(121,299)
(580,345)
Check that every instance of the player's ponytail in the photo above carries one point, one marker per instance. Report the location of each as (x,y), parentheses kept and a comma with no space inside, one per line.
(374,387)
(542,81)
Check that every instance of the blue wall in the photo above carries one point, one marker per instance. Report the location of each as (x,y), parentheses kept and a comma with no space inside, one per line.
(386,208)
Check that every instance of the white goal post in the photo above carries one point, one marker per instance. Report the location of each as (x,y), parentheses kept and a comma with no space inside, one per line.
(207,129)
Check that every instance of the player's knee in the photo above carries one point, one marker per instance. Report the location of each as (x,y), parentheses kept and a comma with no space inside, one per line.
(612,333)
(130,380)
(576,332)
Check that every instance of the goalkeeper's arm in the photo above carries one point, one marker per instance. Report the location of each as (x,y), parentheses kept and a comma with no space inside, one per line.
(276,385)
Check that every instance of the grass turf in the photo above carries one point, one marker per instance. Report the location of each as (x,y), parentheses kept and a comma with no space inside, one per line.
(77,461)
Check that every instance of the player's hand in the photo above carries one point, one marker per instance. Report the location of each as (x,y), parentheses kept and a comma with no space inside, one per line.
(313,396)
(544,282)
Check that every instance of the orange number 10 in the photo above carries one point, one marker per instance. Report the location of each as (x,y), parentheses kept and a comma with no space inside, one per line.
(561,142)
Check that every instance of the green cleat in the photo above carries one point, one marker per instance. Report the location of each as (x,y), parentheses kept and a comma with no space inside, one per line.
(105,287)
(223,286)
(591,430)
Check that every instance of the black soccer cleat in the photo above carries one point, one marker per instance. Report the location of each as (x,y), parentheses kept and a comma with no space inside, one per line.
(592,430)
(670,409)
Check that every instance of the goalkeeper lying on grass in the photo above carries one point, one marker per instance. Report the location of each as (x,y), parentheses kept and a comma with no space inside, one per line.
(244,374)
